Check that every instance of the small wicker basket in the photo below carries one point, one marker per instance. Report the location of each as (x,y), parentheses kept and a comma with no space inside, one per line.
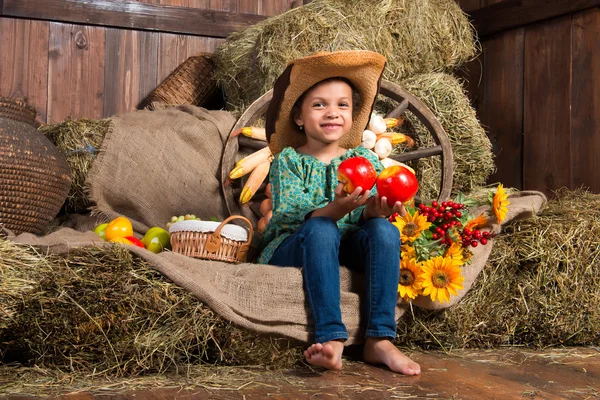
(192,82)
(212,240)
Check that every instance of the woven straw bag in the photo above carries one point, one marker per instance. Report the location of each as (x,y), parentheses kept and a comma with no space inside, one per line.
(212,240)
(192,82)
(34,175)
(17,110)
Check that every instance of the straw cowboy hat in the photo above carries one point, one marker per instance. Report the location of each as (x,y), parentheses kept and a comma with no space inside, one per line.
(363,68)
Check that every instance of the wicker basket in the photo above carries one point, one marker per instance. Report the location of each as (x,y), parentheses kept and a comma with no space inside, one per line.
(34,178)
(17,110)
(192,82)
(212,240)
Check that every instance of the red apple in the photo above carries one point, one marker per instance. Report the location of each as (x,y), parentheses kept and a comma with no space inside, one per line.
(397,183)
(356,171)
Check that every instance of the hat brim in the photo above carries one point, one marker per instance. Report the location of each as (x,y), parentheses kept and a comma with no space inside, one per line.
(363,68)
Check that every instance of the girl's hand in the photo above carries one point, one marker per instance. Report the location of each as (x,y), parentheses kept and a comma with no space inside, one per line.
(377,207)
(343,203)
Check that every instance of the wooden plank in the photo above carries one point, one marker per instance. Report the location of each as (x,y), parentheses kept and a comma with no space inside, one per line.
(224,5)
(127,82)
(75,72)
(469,5)
(547,103)
(248,6)
(134,15)
(24,64)
(585,116)
(510,14)
(275,7)
(501,108)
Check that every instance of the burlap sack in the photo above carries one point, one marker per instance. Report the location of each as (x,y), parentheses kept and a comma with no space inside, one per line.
(157,164)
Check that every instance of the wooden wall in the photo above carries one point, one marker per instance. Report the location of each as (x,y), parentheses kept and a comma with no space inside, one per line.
(536,88)
(69,69)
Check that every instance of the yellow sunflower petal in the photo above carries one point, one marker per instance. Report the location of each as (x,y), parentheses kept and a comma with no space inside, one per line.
(500,204)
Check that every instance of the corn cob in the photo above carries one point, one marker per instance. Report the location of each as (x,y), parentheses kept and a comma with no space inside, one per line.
(248,163)
(256,178)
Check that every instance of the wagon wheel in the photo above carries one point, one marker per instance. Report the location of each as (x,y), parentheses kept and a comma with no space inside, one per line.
(235,144)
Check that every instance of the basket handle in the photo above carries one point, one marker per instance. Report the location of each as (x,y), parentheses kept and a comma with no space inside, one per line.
(214,240)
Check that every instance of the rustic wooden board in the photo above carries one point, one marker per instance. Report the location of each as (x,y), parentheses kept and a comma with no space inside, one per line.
(547,102)
(274,7)
(248,6)
(128,55)
(24,62)
(510,14)
(75,72)
(133,15)
(501,109)
(469,5)
(585,111)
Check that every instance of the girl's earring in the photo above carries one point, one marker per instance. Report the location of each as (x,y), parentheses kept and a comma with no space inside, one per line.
(301,127)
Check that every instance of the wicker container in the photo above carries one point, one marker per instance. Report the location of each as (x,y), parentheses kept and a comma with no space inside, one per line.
(212,240)
(192,82)
(17,110)
(34,178)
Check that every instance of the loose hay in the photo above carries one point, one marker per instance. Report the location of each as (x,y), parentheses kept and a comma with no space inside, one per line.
(106,312)
(79,140)
(540,287)
(471,148)
(416,36)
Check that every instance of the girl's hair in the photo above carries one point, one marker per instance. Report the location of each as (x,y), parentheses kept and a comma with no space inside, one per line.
(356,100)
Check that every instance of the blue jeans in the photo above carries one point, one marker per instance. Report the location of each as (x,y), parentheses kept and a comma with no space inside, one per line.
(318,247)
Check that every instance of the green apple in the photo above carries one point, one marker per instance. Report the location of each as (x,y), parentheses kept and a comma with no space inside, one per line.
(157,239)
(101,230)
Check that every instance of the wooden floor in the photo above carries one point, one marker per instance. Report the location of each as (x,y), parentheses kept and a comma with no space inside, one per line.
(499,374)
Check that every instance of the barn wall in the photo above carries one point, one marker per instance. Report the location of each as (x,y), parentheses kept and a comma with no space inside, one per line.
(68,69)
(536,88)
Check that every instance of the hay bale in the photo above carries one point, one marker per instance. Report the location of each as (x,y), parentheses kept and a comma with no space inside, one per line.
(416,36)
(540,287)
(79,140)
(471,148)
(107,311)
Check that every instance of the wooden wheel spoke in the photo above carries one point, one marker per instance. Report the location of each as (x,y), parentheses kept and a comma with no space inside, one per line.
(244,141)
(399,110)
(420,153)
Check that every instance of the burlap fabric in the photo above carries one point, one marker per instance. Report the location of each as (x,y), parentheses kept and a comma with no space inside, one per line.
(263,298)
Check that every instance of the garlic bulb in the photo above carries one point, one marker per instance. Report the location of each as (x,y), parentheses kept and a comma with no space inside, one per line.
(368,139)
(377,124)
(383,148)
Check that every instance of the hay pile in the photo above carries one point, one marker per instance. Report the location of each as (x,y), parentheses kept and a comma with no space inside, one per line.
(416,36)
(540,288)
(79,141)
(105,311)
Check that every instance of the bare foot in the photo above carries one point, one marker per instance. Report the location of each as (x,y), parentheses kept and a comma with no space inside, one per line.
(382,351)
(327,355)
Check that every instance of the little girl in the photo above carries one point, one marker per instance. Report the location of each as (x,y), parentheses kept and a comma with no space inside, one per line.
(321,104)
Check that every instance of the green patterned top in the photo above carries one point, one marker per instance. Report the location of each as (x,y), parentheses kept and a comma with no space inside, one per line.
(300,183)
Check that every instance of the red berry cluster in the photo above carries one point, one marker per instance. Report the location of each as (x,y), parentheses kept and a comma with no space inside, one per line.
(474,237)
(443,216)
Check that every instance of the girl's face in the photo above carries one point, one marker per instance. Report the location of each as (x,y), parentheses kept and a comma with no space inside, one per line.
(326,112)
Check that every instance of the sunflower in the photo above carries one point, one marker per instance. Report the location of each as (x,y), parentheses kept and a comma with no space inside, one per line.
(441,279)
(455,253)
(411,278)
(500,203)
(407,251)
(477,222)
(411,226)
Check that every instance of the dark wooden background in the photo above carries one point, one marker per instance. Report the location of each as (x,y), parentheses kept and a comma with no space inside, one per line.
(536,85)
(536,88)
